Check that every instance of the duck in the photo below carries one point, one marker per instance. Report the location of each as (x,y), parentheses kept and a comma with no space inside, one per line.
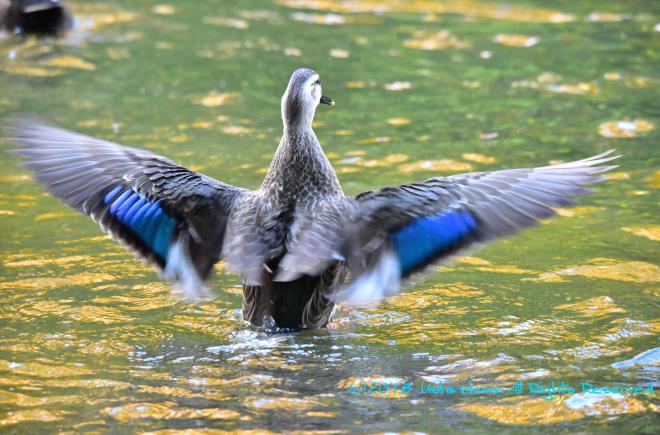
(298,238)
(50,17)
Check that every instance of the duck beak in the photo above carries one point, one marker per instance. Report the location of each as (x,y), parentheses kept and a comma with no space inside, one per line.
(327,100)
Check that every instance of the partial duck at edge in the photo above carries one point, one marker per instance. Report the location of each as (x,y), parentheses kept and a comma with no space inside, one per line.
(45,17)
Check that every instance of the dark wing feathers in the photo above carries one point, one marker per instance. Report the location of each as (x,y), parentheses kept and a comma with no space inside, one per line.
(414,225)
(169,216)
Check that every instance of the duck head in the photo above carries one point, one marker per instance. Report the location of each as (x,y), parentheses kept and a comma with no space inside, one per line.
(302,96)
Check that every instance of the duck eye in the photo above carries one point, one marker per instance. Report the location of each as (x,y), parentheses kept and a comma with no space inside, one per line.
(318,82)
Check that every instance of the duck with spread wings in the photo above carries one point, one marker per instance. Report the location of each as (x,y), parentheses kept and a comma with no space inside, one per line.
(294,240)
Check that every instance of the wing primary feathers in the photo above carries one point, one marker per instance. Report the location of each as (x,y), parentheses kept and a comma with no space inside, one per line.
(424,222)
(164,213)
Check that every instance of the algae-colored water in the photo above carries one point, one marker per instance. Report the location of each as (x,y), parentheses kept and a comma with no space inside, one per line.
(91,340)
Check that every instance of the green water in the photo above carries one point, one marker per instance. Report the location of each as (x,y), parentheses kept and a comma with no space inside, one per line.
(91,340)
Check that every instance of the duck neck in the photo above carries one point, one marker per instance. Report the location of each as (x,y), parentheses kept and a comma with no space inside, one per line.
(299,136)
(298,122)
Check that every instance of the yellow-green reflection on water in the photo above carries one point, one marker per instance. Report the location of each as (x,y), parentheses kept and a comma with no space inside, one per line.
(91,340)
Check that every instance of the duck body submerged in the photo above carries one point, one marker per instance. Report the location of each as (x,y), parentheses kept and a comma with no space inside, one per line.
(296,238)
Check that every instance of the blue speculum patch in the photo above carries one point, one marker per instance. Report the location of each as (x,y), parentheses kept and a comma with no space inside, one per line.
(425,237)
(145,218)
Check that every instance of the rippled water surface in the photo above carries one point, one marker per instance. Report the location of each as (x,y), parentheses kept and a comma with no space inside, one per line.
(91,340)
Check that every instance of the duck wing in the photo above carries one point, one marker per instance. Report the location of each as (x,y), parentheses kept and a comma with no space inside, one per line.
(398,231)
(384,237)
(169,216)
(316,236)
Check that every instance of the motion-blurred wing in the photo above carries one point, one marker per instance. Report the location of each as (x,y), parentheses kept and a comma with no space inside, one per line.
(401,230)
(316,236)
(169,216)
